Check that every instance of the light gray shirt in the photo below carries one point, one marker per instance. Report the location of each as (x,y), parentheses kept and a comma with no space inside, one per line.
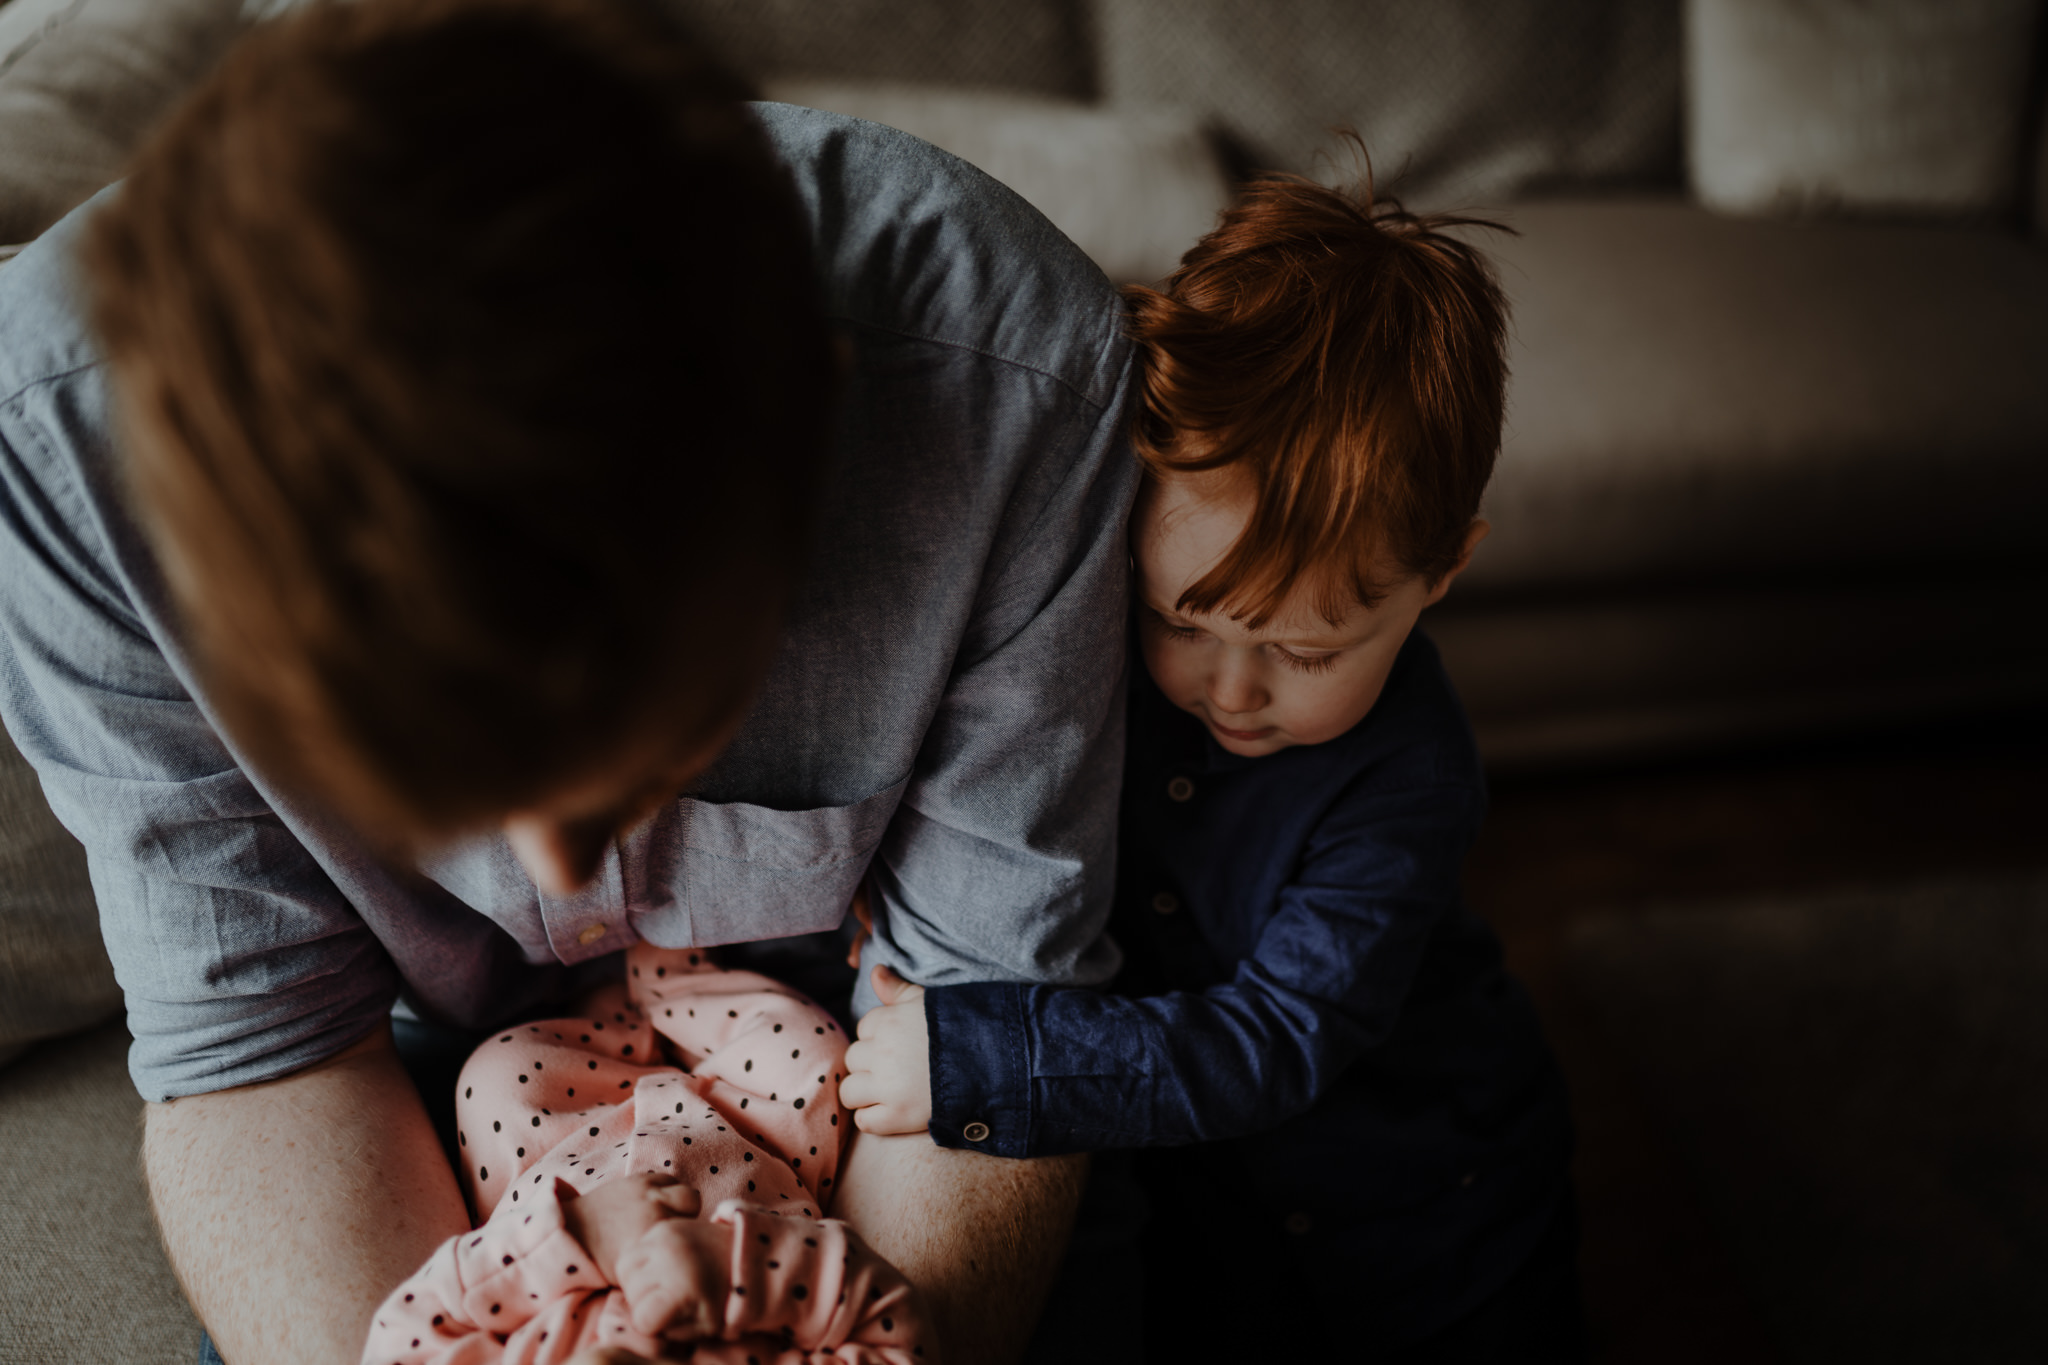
(944,706)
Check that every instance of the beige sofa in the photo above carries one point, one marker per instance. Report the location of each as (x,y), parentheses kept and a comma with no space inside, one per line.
(1775,456)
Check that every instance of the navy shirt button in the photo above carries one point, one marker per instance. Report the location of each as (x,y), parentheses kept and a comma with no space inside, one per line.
(1298,1223)
(975,1132)
(1180,789)
(1165,903)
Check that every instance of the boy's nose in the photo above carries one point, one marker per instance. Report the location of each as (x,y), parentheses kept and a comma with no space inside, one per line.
(1234,688)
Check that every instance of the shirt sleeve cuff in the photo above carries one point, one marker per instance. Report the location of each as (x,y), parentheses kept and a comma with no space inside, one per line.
(981,1067)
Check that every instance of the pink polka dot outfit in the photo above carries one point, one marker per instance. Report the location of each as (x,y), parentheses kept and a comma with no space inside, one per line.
(750,1117)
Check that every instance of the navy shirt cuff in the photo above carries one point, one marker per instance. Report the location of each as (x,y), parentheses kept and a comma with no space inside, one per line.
(981,1067)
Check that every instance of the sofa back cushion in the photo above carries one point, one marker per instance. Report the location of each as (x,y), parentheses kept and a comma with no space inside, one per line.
(54,973)
(1041,46)
(1461,102)
(81,83)
(1878,106)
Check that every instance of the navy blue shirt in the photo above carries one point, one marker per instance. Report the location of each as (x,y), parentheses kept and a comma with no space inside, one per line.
(1303,981)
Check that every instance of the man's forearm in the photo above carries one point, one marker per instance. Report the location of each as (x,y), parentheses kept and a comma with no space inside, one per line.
(980,1236)
(290,1209)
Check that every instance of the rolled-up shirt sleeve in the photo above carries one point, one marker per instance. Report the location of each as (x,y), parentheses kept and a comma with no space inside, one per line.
(239,958)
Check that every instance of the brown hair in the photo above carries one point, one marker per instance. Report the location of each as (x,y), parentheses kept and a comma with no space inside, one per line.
(1346,358)
(477,383)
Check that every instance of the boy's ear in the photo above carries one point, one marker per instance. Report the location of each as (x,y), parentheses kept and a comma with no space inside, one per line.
(1474,533)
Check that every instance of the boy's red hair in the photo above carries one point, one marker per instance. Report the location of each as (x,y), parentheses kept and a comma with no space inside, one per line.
(1346,358)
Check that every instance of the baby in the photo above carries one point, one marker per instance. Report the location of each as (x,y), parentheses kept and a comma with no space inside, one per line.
(1304,993)
(586,1141)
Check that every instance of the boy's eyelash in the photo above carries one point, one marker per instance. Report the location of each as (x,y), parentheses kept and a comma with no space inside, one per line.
(1177,632)
(1299,663)
(1323,664)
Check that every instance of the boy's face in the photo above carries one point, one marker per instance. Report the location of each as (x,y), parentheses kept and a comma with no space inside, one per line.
(1296,680)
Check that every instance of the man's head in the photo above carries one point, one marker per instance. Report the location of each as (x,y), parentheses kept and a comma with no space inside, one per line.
(475,385)
(1324,380)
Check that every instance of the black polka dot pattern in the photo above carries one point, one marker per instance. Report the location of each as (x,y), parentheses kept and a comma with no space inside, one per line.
(680,1072)
(678,1052)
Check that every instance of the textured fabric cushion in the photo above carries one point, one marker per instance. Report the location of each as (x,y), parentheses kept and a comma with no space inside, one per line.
(54,972)
(1467,101)
(1702,398)
(1036,45)
(1133,188)
(1894,106)
(84,83)
(81,1275)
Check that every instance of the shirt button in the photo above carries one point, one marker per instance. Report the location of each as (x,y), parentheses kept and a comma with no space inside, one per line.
(1299,1223)
(1165,903)
(592,933)
(1180,789)
(975,1132)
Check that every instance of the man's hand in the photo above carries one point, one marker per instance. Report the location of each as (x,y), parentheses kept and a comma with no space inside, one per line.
(888,1081)
(643,1235)
(676,1278)
(616,1214)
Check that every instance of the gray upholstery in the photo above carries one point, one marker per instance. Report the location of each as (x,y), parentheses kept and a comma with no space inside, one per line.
(1895,107)
(88,82)
(85,1278)
(1700,398)
(1460,101)
(54,974)
(1042,46)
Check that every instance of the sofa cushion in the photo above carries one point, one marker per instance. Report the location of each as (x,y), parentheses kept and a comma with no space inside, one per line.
(82,1276)
(83,83)
(1460,102)
(1134,188)
(54,973)
(1035,45)
(1892,106)
(1698,398)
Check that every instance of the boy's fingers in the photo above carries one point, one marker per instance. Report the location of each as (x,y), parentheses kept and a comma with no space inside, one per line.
(858,1090)
(885,1120)
(888,985)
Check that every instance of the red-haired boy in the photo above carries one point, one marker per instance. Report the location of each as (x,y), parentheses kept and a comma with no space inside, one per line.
(1386,1135)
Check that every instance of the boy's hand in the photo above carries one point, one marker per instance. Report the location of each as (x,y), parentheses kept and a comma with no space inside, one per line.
(618,1213)
(888,1081)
